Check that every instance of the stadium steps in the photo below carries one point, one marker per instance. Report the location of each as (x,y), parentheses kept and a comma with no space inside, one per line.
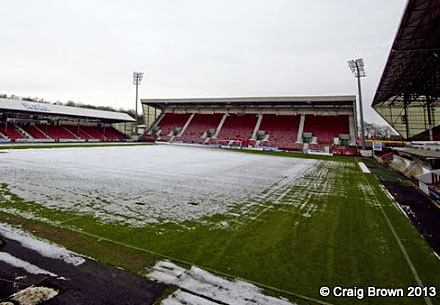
(69,131)
(23,132)
(301,128)
(257,126)
(170,123)
(92,132)
(39,129)
(79,132)
(197,130)
(281,130)
(11,132)
(238,128)
(34,132)
(86,134)
(186,124)
(57,132)
(220,126)
(159,118)
(112,133)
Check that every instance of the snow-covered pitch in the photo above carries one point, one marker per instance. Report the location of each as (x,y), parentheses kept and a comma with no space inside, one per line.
(145,184)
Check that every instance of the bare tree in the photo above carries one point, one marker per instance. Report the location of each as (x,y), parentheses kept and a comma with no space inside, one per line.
(383,132)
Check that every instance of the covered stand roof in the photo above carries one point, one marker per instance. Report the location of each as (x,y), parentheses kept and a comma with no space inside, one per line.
(411,78)
(249,101)
(11,105)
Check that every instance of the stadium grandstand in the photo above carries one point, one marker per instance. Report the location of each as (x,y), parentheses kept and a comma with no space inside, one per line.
(408,95)
(408,98)
(25,121)
(308,124)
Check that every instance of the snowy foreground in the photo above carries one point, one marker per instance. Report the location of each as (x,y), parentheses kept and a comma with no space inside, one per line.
(40,246)
(35,295)
(196,286)
(199,287)
(144,184)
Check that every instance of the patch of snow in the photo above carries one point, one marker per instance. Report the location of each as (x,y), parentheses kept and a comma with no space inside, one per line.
(223,224)
(44,248)
(34,295)
(180,297)
(406,210)
(299,190)
(364,168)
(368,193)
(203,283)
(27,215)
(233,214)
(19,263)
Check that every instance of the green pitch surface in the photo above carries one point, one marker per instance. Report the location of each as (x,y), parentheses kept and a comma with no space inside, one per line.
(331,226)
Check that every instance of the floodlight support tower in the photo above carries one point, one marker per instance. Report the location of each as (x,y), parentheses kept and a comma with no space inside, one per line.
(357,67)
(137,78)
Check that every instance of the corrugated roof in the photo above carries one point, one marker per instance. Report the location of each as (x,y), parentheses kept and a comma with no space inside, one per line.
(413,65)
(270,99)
(49,109)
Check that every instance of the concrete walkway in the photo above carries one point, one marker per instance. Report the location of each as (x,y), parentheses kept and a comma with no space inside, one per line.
(420,210)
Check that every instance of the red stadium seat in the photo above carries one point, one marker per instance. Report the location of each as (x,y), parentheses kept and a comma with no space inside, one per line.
(171,121)
(34,132)
(10,131)
(282,131)
(56,132)
(326,128)
(79,132)
(238,128)
(200,124)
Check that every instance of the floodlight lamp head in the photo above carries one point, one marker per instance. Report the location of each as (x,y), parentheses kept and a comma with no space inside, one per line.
(137,78)
(357,67)
(352,65)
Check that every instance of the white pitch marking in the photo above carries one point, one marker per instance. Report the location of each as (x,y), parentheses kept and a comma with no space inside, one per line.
(364,168)
(399,242)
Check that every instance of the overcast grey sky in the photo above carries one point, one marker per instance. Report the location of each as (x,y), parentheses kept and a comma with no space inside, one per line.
(86,51)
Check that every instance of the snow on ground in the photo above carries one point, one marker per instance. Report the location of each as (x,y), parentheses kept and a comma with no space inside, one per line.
(44,248)
(297,193)
(34,295)
(364,168)
(201,284)
(19,263)
(180,297)
(145,184)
